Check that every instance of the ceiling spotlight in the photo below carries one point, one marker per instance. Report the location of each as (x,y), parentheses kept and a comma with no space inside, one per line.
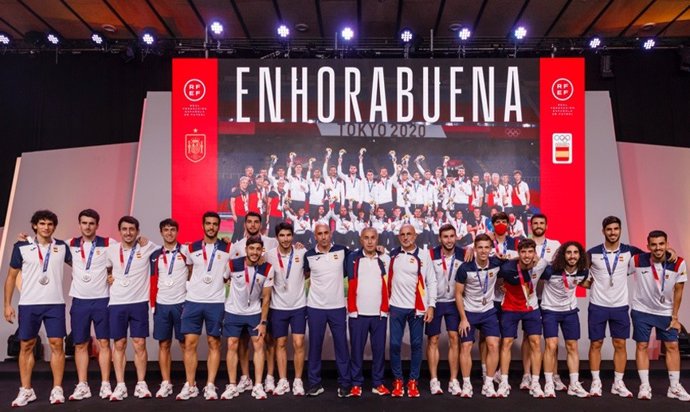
(520,33)
(594,43)
(649,44)
(98,39)
(4,39)
(283,31)
(217,28)
(464,34)
(53,39)
(347,34)
(148,39)
(406,36)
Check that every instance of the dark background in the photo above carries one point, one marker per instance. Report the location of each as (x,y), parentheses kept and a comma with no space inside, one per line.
(95,99)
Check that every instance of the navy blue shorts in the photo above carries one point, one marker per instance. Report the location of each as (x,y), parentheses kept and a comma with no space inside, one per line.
(617,319)
(233,325)
(531,323)
(195,315)
(447,311)
(134,316)
(485,322)
(166,319)
(30,318)
(280,320)
(644,322)
(85,311)
(568,321)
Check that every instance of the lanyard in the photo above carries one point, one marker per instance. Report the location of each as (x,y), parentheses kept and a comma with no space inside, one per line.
(44,262)
(543,250)
(528,292)
(663,275)
(172,258)
(87,263)
(565,281)
(608,265)
(280,262)
(505,246)
(485,286)
(129,260)
(450,269)
(246,280)
(213,255)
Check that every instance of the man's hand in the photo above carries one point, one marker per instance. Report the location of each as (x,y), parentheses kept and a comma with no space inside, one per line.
(469,254)
(9,313)
(429,315)
(673,256)
(22,237)
(261,329)
(674,324)
(110,279)
(143,241)
(464,327)
(299,245)
(380,249)
(226,239)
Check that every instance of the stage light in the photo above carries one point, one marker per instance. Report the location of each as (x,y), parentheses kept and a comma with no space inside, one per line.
(4,39)
(148,39)
(53,39)
(283,31)
(649,44)
(464,34)
(406,36)
(347,34)
(217,28)
(520,33)
(594,43)
(98,39)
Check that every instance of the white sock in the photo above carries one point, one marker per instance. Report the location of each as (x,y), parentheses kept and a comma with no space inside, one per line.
(674,377)
(644,376)
(535,379)
(489,380)
(483,369)
(574,377)
(525,374)
(465,379)
(617,376)
(595,376)
(164,382)
(504,378)
(548,377)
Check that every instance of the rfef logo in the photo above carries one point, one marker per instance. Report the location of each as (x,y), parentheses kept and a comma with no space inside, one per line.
(194,90)
(562,89)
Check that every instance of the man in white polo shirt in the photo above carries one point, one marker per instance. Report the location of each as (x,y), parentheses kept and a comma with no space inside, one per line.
(657,294)
(41,301)
(326,306)
(128,307)
(412,291)
(204,305)
(90,296)
(288,307)
(246,309)
(169,274)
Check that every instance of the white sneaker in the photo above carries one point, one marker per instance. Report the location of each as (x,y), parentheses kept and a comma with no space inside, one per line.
(245,384)
(82,391)
(526,382)
(165,390)
(282,387)
(645,392)
(678,392)
(559,386)
(549,390)
(435,387)
(497,377)
(618,388)
(454,387)
(535,390)
(230,392)
(142,391)
(298,387)
(466,390)
(24,397)
(187,392)
(503,390)
(258,392)
(269,384)
(210,393)
(105,390)
(119,393)
(57,396)
(488,390)
(576,389)
(595,389)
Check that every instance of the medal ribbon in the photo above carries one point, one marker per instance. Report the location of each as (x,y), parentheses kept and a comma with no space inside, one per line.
(663,276)
(608,265)
(280,262)
(44,262)
(87,263)
(246,280)
(527,292)
(129,260)
(213,255)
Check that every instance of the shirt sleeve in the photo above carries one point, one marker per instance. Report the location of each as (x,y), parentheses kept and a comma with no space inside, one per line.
(430,279)
(270,275)
(17,259)
(682,273)
(461,274)
(547,273)
(68,254)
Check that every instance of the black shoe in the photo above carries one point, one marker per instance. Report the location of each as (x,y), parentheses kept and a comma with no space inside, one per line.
(315,390)
(344,392)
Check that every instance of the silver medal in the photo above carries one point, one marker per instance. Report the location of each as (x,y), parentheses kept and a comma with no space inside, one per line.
(44,280)
(124,282)
(86,278)
(611,282)
(207,279)
(484,301)
(663,299)
(285,287)
(169,282)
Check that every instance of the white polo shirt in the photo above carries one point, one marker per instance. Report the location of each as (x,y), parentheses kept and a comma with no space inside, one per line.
(131,272)
(89,268)
(610,289)
(403,278)
(170,271)
(247,284)
(327,277)
(480,284)
(288,281)
(559,289)
(547,249)
(445,269)
(209,266)
(239,248)
(38,264)
(654,283)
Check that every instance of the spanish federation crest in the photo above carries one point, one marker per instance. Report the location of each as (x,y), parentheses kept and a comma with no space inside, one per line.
(195,146)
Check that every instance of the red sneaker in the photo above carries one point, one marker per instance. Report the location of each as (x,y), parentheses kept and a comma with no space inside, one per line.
(356,391)
(398,390)
(412,390)
(381,390)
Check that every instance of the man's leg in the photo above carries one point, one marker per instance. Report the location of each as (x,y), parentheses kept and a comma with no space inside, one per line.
(298,355)
(359,331)
(81,360)
(119,359)
(397,329)
(338,324)
(316,319)
(213,360)
(164,359)
(453,353)
(259,358)
(281,356)
(140,357)
(432,356)
(190,357)
(26,361)
(104,359)
(232,359)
